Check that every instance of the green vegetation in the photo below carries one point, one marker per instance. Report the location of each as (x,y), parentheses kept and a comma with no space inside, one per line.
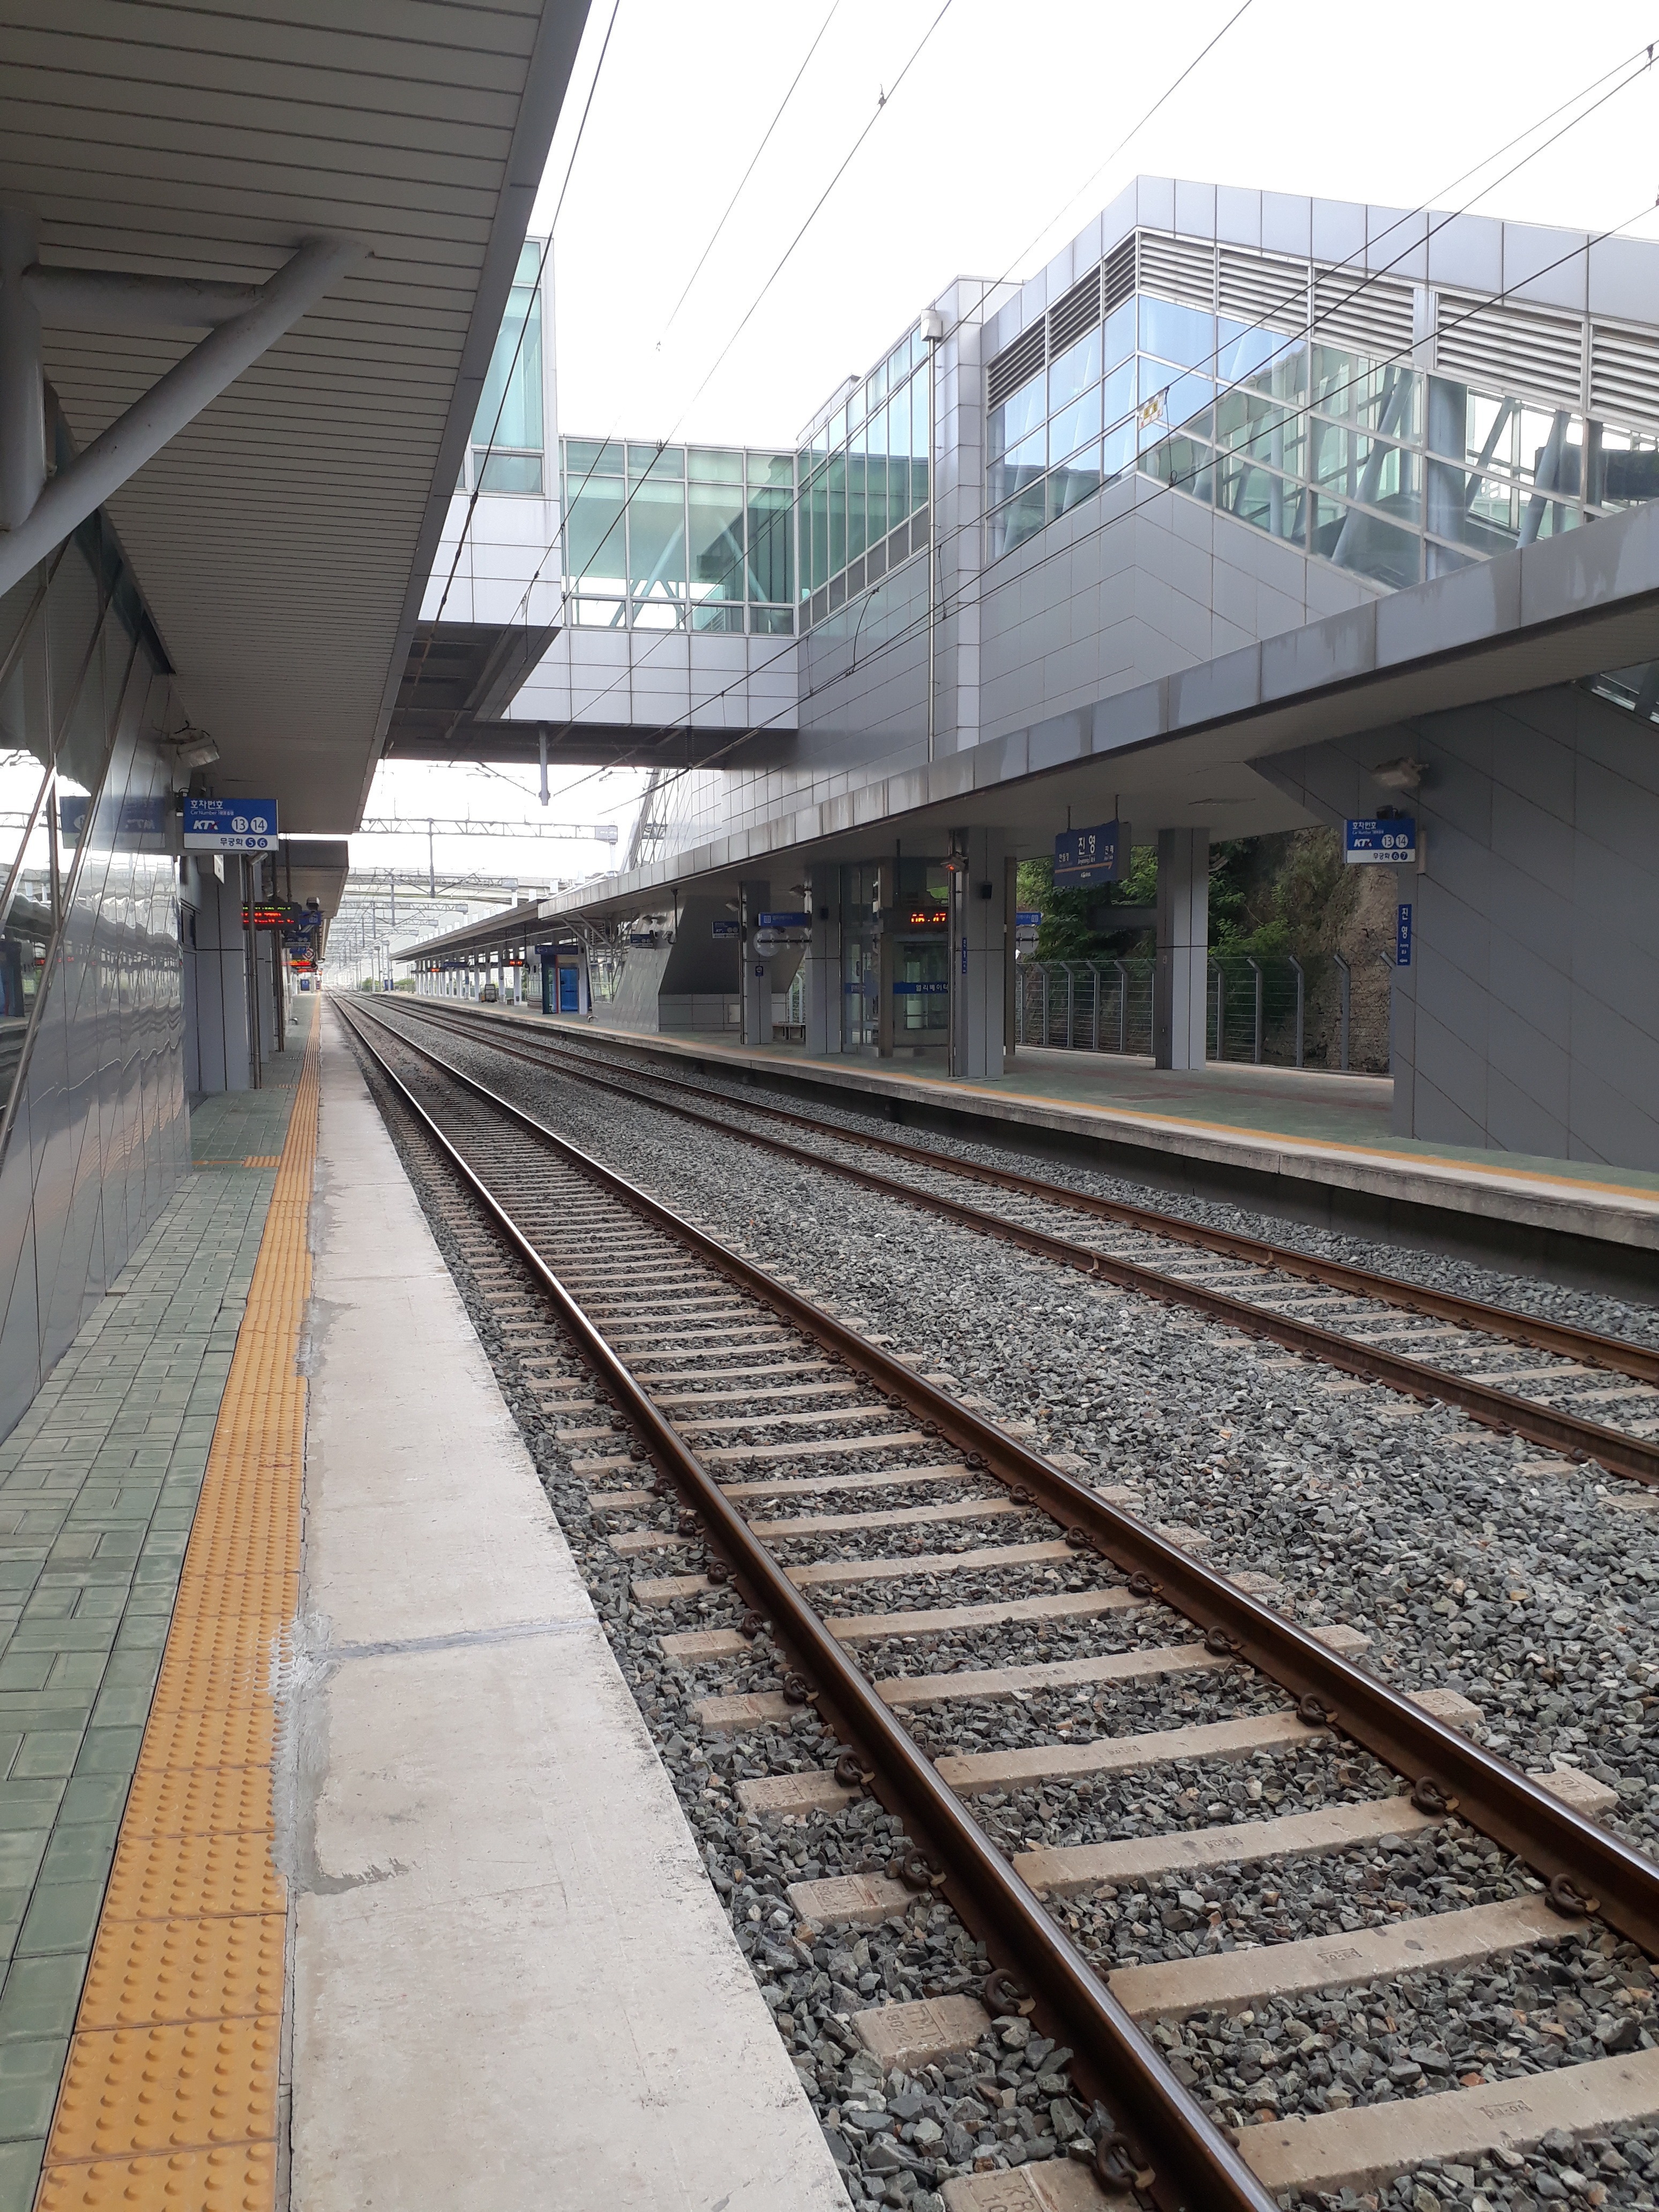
(1286,892)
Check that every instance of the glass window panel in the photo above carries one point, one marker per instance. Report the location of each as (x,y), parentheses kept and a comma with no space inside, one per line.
(1244,351)
(1077,426)
(657,613)
(835,483)
(898,366)
(520,472)
(772,622)
(1367,545)
(1022,518)
(920,420)
(1184,462)
(1118,393)
(704,465)
(1118,334)
(855,496)
(595,540)
(876,503)
(1260,496)
(1077,367)
(837,434)
(772,469)
(712,614)
(855,407)
(1624,467)
(510,405)
(1374,395)
(530,261)
(1479,511)
(647,461)
(656,538)
(586,456)
(715,513)
(1250,423)
(1180,334)
(898,447)
(1118,450)
(1074,482)
(771,525)
(1180,401)
(1014,470)
(877,387)
(1017,417)
(818,525)
(598,614)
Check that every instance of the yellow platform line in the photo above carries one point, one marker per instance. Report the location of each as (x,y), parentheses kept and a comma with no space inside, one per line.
(169,2096)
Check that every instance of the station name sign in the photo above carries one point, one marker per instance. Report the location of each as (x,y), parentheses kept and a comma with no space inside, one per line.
(1389,840)
(1082,857)
(230,825)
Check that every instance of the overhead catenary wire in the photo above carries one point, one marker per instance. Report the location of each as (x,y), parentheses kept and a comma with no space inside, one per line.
(1643,61)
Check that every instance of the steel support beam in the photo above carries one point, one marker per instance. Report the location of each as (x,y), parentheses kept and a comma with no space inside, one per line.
(139,435)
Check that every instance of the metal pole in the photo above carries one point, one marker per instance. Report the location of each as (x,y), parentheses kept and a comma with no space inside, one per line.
(1345,988)
(1300,1003)
(541,746)
(431,870)
(1255,966)
(933,342)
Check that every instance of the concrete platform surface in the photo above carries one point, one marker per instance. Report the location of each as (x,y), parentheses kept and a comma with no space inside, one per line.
(513,1985)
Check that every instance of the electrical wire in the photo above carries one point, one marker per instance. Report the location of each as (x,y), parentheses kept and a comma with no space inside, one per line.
(1637,65)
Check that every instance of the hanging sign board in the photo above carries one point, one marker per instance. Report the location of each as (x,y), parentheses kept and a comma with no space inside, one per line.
(1402,937)
(726,929)
(1390,841)
(1100,855)
(230,825)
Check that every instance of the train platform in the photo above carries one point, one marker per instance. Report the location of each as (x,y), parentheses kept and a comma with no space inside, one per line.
(339,1868)
(1303,1143)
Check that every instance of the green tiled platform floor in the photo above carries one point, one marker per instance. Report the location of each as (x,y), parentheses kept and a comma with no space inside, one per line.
(98,1488)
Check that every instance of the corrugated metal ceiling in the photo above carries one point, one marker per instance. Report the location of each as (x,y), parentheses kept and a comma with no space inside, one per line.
(282,540)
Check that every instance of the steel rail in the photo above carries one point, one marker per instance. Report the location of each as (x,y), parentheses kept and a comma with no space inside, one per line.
(1618,1354)
(1194,2168)
(1489,1793)
(1614,1449)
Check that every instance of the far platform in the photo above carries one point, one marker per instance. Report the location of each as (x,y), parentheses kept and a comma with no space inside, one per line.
(1301,1142)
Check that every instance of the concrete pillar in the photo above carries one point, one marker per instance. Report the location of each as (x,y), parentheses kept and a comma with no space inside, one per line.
(755,899)
(1180,988)
(824,993)
(221,1055)
(22,418)
(978,953)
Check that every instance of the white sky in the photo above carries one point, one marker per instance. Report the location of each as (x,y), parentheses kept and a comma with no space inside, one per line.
(987,158)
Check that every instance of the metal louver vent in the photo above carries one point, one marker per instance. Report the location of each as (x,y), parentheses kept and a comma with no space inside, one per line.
(1256,288)
(1075,311)
(1520,350)
(1015,365)
(1180,269)
(1624,374)
(1118,275)
(1370,313)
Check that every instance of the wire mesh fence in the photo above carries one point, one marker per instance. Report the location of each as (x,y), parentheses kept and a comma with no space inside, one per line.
(1274,1010)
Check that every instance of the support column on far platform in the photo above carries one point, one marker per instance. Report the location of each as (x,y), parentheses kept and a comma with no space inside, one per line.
(978,986)
(1180,990)
(823,964)
(755,899)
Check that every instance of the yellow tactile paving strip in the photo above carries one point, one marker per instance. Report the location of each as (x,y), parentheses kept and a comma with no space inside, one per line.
(169,2095)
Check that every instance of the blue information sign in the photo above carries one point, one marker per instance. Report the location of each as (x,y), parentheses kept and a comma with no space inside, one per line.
(1029,918)
(230,825)
(725,929)
(785,921)
(1100,855)
(1402,937)
(1391,839)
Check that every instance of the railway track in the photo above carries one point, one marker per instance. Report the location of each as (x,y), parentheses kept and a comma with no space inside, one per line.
(1321,1310)
(801,1519)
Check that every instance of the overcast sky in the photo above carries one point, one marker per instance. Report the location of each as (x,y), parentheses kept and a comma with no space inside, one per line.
(993,147)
